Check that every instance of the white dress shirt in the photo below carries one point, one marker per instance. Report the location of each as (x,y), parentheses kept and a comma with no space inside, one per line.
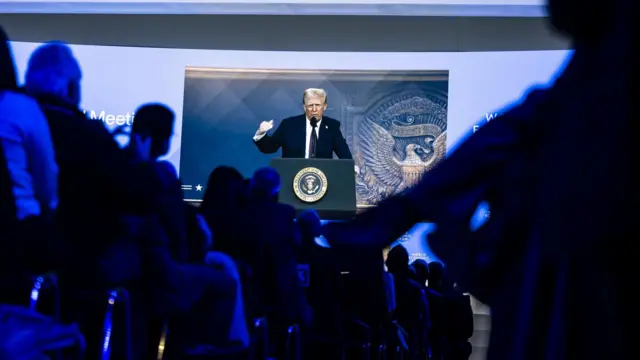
(308,137)
(257,136)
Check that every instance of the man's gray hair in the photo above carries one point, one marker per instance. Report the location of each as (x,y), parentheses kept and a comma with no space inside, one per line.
(52,67)
(314,92)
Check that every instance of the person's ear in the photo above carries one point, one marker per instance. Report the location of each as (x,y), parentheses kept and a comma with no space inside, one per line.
(164,150)
(142,147)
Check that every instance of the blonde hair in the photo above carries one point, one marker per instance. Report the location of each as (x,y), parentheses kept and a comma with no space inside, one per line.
(52,67)
(314,92)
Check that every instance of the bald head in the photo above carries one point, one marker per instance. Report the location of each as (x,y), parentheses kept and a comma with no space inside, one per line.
(54,72)
(265,184)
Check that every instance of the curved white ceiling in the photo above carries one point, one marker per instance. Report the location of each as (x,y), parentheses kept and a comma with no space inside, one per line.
(492,8)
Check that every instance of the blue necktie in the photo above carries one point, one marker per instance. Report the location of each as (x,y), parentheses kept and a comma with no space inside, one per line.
(314,138)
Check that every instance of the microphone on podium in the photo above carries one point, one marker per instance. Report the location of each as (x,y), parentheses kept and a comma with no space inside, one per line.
(313,121)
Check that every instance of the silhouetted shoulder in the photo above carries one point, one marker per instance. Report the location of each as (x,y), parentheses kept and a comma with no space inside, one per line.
(19,105)
(21,117)
(415,285)
(18,99)
(286,210)
(433,293)
(94,131)
(531,103)
(95,126)
(530,115)
(166,170)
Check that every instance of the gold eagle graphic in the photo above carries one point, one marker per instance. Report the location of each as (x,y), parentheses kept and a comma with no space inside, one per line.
(378,147)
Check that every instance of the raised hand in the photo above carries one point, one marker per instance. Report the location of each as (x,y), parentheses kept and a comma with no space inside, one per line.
(265,126)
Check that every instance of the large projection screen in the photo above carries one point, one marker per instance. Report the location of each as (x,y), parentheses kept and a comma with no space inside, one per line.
(468,88)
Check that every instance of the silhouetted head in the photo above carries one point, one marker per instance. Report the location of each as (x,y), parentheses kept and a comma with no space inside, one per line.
(422,270)
(155,121)
(54,72)
(398,260)
(8,79)
(265,185)
(583,21)
(225,189)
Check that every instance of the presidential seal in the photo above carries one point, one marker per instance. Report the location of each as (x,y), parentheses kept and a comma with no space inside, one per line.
(310,184)
(399,139)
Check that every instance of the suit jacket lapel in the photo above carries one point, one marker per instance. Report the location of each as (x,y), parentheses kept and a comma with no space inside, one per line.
(302,125)
(323,137)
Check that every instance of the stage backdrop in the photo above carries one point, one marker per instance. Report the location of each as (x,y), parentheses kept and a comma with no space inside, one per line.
(395,122)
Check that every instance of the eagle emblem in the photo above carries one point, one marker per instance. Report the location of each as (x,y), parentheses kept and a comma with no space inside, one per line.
(310,184)
(412,142)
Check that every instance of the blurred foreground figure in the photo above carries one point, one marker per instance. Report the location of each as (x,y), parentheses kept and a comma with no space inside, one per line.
(559,177)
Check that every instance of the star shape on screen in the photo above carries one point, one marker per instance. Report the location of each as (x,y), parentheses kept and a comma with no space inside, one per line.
(198,187)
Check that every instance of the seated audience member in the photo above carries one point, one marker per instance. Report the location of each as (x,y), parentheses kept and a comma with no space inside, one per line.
(366,293)
(458,312)
(32,171)
(199,301)
(421,271)
(154,123)
(412,310)
(221,207)
(437,310)
(320,276)
(98,184)
(194,300)
(271,226)
(264,186)
(199,236)
(239,329)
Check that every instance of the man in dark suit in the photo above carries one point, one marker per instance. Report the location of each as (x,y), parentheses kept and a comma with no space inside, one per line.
(309,135)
